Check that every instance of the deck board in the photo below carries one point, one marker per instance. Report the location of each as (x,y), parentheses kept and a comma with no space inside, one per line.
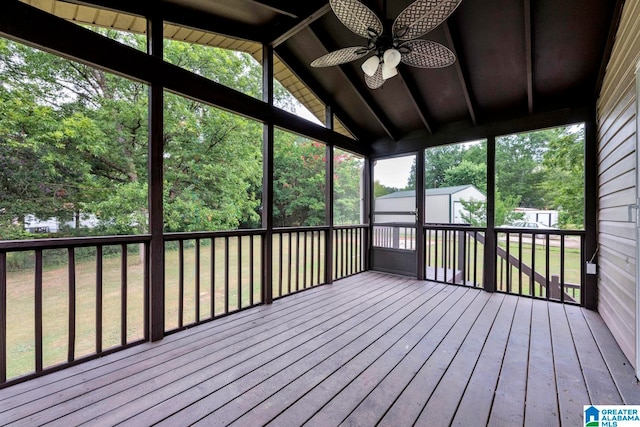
(370,349)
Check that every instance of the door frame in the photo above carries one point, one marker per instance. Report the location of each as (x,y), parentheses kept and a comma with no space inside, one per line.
(637,225)
(396,260)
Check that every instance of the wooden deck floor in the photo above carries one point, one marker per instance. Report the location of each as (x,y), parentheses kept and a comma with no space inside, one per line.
(370,349)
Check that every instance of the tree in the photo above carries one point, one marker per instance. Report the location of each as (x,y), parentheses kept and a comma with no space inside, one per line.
(465,173)
(438,160)
(299,181)
(475,212)
(347,183)
(564,163)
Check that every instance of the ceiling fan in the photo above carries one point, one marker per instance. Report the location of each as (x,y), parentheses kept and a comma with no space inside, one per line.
(402,45)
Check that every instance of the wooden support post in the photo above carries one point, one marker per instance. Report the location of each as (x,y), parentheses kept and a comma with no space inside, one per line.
(420,246)
(328,201)
(267,179)
(155,166)
(490,235)
(589,298)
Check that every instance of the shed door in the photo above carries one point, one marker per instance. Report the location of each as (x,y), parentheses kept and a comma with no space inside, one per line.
(394,210)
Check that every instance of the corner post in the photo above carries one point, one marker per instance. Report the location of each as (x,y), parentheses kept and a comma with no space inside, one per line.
(420,258)
(590,211)
(155,167)
(267,178)
(328,201)
(490,234)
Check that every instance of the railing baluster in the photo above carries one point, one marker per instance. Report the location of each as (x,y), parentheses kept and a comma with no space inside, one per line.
(71,344)
(197,279)
(38,310)
(304,266)
(475,258)
(319,272)
(3,317)
(180,283)
(99,299)
(313,258)
(123,295)
(547,267)
(290,263)
(508,265)
(226,274)
(532,277)
(213,277)
(562,268)
(280,257)
(520,261)
(297,261)
(251,275)
(239,272)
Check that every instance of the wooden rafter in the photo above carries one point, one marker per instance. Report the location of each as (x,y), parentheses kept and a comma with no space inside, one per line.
(418,105)
(461,75)
(283,7)
(304,76)
(528,37)
(297,26)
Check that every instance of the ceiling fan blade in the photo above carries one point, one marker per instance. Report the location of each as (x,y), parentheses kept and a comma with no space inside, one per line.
(357,17)
(340,56)
(427,54)
(422,16)
(375,81)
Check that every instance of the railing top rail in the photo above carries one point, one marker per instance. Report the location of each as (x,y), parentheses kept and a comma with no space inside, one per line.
(396,224)
(540,231)
(168,237)
(347,227)
(300,229)
(459,227)
(73,242)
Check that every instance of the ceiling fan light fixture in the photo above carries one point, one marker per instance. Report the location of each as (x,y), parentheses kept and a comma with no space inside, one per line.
(392,57)
(388,71)
(370,66)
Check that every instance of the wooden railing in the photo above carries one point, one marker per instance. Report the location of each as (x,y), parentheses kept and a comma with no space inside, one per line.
(67,300)
(547,264)
(349,250)
(454,254)
(211,274)
(298,259)
(394,236)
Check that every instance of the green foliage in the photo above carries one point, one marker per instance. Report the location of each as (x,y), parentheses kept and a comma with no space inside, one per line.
(347,182)
(298,182)
(380,190)
(465,173)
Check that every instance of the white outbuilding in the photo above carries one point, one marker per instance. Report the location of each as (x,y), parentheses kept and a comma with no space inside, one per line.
(442,205)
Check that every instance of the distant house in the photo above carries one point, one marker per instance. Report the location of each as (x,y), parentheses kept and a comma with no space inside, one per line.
(32,224)
(546,217)
(442,205)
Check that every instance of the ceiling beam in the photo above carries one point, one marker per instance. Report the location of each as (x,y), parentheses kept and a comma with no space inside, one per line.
(299,70)
(461,75)
(362,92)
(283,7)
(299,25)
(463,131)
(419,106)
(528,40)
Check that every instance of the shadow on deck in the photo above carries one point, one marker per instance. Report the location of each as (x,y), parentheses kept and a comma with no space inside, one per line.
(372,348)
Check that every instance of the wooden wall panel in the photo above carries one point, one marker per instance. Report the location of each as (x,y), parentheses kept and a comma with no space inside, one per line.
(617,164)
